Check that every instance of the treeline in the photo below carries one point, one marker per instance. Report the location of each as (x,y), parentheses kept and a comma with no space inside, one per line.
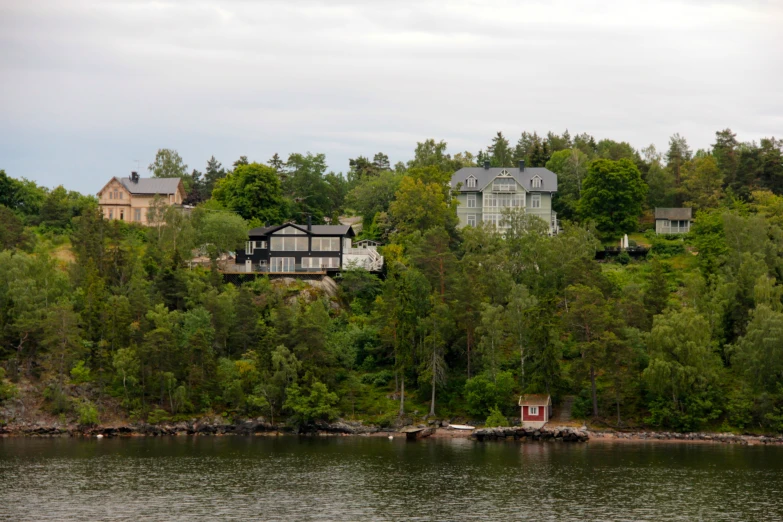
(463,321)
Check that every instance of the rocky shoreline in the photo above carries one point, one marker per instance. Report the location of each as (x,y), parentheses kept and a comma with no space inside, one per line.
(260,426)
(666,436)
(196,427)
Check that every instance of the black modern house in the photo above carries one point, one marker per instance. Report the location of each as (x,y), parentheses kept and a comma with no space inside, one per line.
(291,248)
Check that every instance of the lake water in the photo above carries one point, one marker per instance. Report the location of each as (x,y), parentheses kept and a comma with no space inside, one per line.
(356,478)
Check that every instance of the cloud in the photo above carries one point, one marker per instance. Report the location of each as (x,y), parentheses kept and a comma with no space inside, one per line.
(89,86)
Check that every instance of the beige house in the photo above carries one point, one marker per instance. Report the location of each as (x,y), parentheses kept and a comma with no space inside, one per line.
(129,199)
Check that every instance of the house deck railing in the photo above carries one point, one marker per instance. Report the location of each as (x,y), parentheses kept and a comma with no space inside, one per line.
(674,230)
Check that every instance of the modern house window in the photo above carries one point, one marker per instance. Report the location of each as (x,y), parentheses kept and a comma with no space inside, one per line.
(248,247)
(535,201)
(471,182)
(137,215)
(326,244)
(471,201)
(283,264)
(536,182)
(320,262)
(259,244)
(533,410)
(472,220)
(288,244)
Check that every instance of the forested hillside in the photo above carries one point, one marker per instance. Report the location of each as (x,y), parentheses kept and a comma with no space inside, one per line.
(108,320)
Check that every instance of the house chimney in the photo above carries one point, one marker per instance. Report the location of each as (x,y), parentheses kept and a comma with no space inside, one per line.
(486,164)
(135,176)
(309,223)
(521,165)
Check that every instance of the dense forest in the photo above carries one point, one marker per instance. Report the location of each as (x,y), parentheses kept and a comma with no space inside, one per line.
(103,320)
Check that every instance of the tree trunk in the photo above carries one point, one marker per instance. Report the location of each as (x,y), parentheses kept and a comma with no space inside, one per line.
(470,339)
(617,400)
(432,401)
(402,395)
(592,386)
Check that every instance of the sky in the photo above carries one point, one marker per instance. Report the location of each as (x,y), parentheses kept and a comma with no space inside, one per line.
(91,89)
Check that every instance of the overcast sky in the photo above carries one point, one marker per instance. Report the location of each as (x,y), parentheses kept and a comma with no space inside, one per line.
(88,87)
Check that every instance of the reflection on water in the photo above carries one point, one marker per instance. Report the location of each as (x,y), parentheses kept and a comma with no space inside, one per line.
(354,478)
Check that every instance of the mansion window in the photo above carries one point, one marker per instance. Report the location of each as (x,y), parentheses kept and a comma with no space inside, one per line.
(111,213)
(504,200)
(536,181)
(471,182)
(326,244)
(288,244)
(504,185)
(471,201)
(535,201)
(137,215)
(472,220)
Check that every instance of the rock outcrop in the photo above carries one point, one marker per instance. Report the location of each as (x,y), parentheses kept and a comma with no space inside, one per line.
(558,433)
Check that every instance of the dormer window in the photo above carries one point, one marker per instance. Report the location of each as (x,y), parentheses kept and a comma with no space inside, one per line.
(471,182)
(536,182)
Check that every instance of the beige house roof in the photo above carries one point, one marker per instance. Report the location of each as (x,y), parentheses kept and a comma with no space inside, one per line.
(535,400)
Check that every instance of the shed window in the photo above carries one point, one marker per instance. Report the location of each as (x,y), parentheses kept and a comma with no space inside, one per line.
(533,410)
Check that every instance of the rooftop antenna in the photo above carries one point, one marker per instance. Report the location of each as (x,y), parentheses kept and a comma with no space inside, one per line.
(137,165)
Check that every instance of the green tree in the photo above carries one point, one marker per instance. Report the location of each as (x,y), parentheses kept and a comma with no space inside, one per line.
(219,232)
(500,153)
(169,164)
(682,370)
(702,182)
(254,192)
(570,165)
(421,206)
(612,196)
(12,231)
(318,404)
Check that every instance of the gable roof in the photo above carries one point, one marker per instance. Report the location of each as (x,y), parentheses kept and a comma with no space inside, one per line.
(484,176)
(147,185)
(316,230)
(535,400)
(151,185)
(673,213)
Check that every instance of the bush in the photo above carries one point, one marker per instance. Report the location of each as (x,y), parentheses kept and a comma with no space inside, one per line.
(157,416)
(80,374)
(667,248)
(88,413)
(7,388)
(317,405)
(482,393)
(496,419)
(623,258)
(59,402)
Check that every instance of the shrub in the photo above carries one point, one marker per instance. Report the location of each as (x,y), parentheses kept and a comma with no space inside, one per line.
(59,401)
(482,393)
(496,419)
(666,248)
(623,258)
(7,388)
(87,412)
(317,405)
(80,374)
(157,416)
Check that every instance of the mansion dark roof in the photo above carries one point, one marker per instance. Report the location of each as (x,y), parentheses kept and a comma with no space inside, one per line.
(315,230)
(151,185)
(524,177)
(673,213)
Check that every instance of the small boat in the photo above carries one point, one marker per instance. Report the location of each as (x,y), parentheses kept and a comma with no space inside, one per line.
(461,427)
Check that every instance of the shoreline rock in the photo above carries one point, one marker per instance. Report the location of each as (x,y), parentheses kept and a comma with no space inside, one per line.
(557,433)
(667,436)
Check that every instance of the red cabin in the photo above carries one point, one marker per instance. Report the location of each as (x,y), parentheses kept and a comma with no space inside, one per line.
(536,410)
